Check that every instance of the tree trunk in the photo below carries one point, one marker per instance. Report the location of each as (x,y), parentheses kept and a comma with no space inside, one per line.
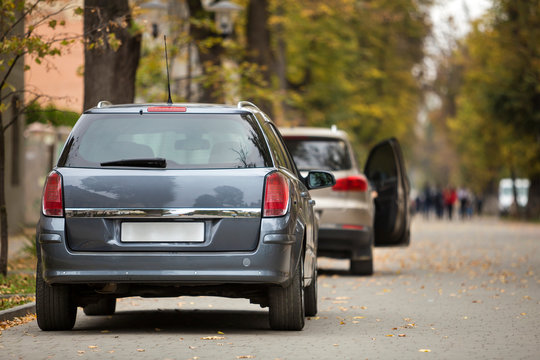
(281,70)
(3,209)
(533,204)
(109,74)
(259,48)
(208,56)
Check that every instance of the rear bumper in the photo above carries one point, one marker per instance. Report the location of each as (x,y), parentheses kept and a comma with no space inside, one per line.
(345,243)
(269,263)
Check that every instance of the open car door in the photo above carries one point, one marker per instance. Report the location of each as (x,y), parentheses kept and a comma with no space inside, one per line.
(385,170)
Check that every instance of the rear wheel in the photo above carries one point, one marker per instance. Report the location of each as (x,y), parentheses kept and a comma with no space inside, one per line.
(310,297)
(362,267)
(55,307)
(104,306)
(287,304)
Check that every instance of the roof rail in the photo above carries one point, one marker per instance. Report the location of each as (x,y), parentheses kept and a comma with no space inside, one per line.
(241,104)
(103,103)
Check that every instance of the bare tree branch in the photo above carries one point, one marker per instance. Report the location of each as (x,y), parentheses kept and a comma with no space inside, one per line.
(15,117)
(50,15)
(21,18)
(11,67)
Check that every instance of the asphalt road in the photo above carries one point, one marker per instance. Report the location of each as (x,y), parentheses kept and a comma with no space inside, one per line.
(462,290)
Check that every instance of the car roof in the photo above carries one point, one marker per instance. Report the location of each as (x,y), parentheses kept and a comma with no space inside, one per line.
(190,108)
(314,132)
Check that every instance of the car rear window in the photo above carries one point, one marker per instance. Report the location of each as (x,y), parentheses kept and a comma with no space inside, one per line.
(319,153)
(185,141)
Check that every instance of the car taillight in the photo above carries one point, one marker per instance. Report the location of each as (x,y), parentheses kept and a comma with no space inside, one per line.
(276,195)
(52,195)
(351,183)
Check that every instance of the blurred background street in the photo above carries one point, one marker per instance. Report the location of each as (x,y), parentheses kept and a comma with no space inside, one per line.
(460,291)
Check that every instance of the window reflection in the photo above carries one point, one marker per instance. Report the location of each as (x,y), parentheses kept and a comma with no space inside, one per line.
(185,141)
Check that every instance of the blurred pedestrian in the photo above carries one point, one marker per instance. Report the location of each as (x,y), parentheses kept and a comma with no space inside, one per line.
(427,201)
(438,200)
(479,205)
(450,198)
(464,198)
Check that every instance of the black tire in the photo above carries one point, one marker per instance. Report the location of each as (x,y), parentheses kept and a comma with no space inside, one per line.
(362,267)
(55,307)
(310,297)
(287,304)
(104,306)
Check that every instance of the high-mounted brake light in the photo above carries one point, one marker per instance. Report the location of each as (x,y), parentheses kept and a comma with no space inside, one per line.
(167,109)
(276,195)
(52,195)
(351,183)
(352,227)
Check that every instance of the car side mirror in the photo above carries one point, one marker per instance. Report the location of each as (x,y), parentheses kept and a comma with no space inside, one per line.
(319,179)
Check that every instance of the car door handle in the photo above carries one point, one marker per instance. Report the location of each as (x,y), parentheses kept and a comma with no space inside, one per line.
(304,194)
(311,202)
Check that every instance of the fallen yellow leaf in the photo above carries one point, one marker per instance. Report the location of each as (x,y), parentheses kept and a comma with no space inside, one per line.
(92,346)
(359,317)
(424,350)
(389,335)
(221,333)
(140,350)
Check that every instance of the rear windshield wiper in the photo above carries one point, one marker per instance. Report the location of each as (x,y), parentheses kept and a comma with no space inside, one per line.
(153,163)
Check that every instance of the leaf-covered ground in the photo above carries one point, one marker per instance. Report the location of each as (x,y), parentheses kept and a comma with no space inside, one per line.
(461,290)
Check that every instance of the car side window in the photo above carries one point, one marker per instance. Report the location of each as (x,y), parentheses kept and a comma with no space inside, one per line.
(275,145)
(283,156)
(289,160)
(382,166)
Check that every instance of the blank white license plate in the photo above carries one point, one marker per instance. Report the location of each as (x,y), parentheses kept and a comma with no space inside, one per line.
(162,232)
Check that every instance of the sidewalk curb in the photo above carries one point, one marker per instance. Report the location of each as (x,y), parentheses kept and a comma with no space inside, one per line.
(18,311)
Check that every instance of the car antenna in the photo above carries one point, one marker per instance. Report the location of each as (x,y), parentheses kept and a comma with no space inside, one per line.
(169,100)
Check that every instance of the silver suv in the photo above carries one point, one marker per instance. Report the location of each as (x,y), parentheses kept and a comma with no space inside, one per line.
(361,210)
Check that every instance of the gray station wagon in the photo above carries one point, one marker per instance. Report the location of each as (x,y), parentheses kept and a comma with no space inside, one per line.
(172,200)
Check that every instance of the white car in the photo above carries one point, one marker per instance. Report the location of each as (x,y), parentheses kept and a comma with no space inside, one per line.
(363,209)
(506,194)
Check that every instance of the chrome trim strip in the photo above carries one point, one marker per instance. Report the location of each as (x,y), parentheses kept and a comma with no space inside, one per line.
(193,213)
